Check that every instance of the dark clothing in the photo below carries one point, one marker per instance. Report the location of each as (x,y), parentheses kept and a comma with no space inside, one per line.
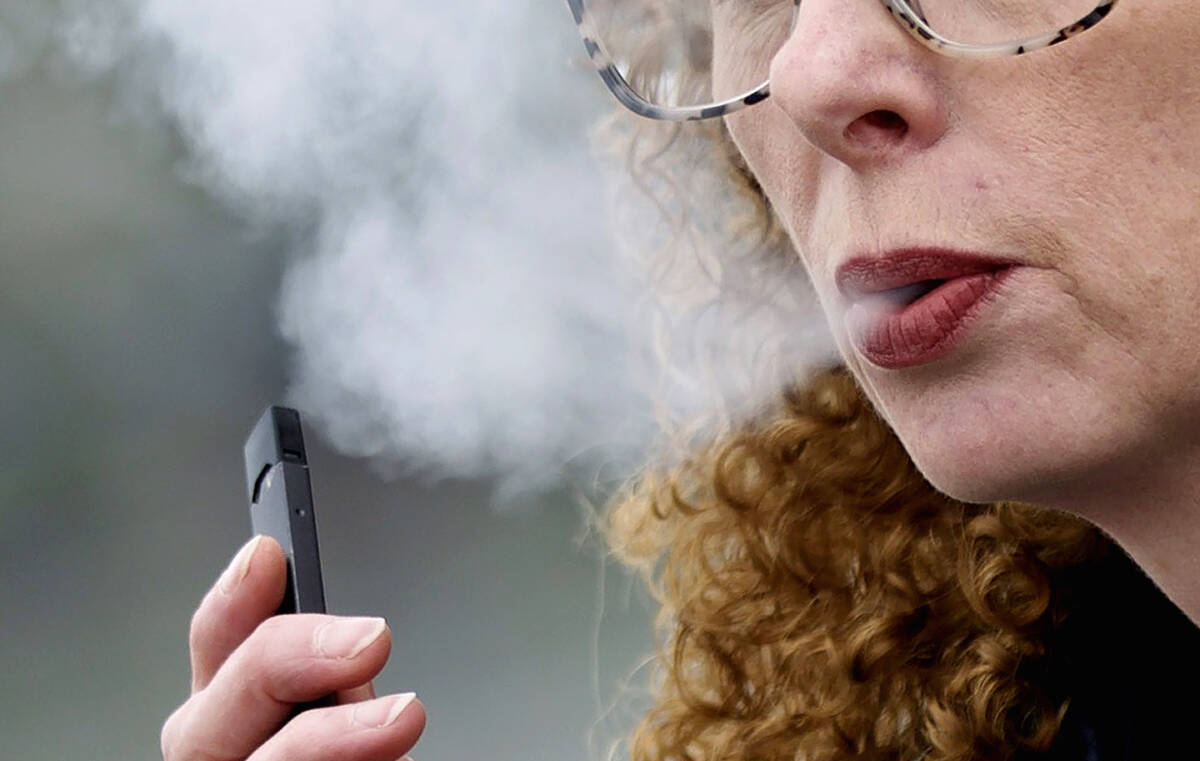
(1135,680)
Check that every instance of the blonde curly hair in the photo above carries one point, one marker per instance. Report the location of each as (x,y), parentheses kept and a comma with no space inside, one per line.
(820,601)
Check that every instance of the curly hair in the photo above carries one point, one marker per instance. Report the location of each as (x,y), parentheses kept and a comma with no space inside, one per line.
(820,600)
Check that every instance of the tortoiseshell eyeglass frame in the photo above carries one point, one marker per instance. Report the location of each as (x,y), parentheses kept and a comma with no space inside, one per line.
(901,11)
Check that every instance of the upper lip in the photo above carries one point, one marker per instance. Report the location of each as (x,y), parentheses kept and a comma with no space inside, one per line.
(863,275)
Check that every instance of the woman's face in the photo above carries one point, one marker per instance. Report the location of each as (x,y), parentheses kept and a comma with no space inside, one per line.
(1080,162)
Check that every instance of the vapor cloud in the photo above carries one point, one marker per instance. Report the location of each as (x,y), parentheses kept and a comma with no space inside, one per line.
(454,303)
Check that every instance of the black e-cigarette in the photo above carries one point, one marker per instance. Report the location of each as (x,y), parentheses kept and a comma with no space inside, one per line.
(281,506)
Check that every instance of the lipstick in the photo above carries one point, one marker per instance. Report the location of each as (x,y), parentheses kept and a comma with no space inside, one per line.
(912,306)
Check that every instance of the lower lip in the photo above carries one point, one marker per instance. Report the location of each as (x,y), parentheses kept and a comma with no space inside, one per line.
(926,329)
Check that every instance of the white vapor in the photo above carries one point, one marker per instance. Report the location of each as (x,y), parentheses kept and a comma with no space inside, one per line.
(454,303)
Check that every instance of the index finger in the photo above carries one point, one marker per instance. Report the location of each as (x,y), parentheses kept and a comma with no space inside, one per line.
(248,592)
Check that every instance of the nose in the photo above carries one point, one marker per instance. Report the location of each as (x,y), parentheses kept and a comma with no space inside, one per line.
(856,85)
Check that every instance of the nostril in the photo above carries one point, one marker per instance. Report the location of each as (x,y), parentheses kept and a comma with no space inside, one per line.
(888,120)
(878,126)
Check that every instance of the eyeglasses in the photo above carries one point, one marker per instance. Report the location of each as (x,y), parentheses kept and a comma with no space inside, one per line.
(698,59)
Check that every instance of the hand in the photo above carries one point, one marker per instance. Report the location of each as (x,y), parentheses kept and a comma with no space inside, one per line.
(249,669)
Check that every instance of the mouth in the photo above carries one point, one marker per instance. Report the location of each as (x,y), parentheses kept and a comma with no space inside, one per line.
(899,278)
(906,294)
(913,306)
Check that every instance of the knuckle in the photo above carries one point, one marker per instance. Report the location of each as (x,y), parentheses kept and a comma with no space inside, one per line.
(297,678)
(200,628)
(276,661)
(275,628)
(313,734)
(267,639)
(171,737)
(166,739)
(250,664)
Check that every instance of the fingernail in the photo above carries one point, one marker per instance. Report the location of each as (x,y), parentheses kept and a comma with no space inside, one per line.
(382,712)
(347,637)
(239,567)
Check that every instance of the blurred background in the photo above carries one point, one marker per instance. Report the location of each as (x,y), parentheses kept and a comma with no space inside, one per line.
(140,312)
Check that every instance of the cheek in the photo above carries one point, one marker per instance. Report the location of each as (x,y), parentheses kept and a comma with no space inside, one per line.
(782,161)
(786,166)
(747,130)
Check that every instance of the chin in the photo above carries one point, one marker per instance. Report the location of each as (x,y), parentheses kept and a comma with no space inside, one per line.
(981,464)
(973,482)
